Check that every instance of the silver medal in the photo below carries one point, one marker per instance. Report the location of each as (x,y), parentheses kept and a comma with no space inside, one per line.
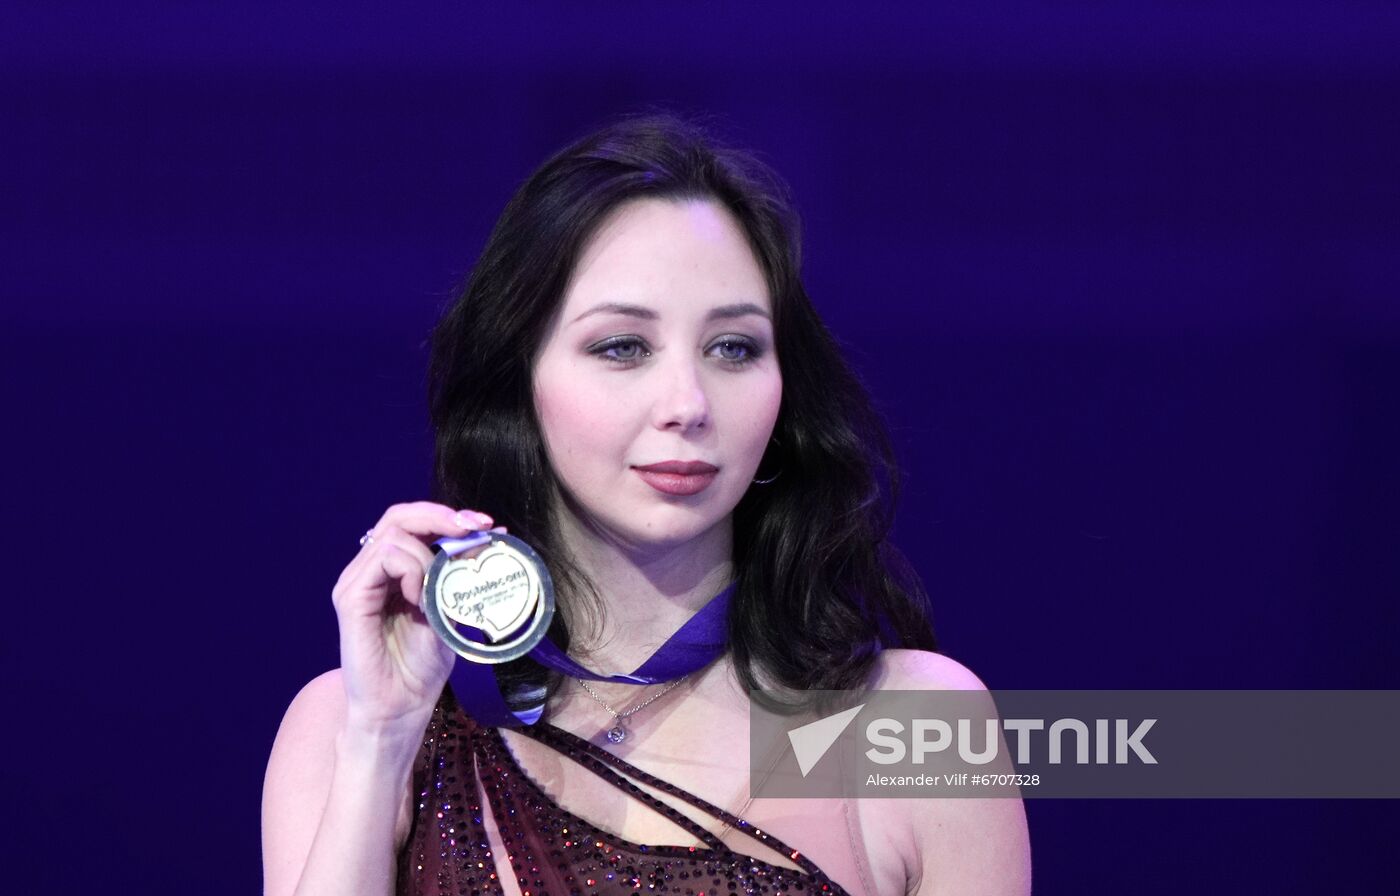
(498,588)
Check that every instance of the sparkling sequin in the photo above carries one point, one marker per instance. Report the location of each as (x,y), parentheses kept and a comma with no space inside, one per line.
(549,850)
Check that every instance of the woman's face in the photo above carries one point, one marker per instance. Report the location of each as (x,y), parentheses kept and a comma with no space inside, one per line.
(657,385)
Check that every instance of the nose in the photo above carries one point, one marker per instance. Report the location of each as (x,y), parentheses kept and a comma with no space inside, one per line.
(682,403)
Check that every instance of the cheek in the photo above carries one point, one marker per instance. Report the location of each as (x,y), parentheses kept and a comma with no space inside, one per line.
(574,417)
(757,410)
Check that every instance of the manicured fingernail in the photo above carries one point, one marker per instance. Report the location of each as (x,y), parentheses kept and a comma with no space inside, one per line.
(471,519)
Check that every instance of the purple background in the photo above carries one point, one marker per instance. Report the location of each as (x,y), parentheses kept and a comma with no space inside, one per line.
(1123,279)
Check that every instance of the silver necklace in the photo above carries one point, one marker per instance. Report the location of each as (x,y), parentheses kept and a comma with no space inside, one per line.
(618,732)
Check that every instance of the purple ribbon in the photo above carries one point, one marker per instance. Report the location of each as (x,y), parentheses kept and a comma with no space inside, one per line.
(695,645)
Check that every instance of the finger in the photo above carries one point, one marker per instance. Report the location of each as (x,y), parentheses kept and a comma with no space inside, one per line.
(365,585)
(364,560)
(426,519)
(407,570)
(414,582)
(406,542)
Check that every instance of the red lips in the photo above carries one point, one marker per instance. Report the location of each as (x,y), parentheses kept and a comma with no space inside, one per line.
(682,467)
(678,477)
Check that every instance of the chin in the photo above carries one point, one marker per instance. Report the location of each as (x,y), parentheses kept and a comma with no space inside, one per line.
(667,530)
(669,537)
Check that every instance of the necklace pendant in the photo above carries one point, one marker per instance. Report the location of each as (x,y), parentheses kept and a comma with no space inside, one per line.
(617,734)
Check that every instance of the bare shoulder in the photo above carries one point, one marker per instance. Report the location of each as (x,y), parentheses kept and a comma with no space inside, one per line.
(922,670)
(309,726)
(306,738)
(963,846)
(320,703)
(298,778)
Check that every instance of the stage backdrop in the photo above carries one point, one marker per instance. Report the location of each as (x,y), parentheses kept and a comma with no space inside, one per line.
(1124,282)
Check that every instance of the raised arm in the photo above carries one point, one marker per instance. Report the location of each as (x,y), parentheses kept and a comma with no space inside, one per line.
(335,799)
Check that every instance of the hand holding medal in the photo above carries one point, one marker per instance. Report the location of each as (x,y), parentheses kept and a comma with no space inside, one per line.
(486,597)
(393,665)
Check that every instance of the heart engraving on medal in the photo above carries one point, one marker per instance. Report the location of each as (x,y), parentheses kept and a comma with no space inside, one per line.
(494,591)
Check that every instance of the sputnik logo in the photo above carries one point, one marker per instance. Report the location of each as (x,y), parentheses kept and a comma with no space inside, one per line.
(811,741)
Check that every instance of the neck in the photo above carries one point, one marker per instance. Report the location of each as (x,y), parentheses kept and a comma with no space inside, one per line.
(646,593)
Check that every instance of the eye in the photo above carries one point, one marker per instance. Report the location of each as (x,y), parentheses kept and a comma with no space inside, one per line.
(621,350)
(735,350)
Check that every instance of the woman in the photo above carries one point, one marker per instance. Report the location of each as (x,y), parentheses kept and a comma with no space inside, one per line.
(635,383)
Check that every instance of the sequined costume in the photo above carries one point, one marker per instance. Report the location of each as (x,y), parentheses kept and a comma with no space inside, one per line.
(554,851)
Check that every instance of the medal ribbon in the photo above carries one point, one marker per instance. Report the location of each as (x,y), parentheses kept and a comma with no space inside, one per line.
(696,644)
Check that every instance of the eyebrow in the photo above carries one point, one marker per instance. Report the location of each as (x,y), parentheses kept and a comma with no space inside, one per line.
(723,312)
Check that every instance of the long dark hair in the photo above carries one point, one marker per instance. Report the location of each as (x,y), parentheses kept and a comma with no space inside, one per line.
(820,588)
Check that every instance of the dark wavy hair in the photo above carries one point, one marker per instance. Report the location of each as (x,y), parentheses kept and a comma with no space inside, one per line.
(820,588)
